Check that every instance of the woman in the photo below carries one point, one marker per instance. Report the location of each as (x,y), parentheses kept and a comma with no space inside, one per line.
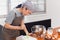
(15,21)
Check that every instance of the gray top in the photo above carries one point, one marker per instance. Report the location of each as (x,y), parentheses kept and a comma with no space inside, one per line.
(13,18)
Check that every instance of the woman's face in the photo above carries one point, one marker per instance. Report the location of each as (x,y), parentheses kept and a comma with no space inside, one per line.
(25,11)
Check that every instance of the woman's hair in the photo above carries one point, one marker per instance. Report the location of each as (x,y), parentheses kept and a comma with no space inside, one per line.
(29,5)
(19,6)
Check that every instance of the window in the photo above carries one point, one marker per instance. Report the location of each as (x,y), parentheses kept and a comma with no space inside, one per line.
(3,7)
(40,4)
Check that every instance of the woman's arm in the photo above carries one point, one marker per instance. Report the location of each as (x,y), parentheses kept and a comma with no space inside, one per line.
(24,27)
(8,26)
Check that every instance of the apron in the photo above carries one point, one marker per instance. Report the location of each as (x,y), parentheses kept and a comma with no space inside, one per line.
(13,33)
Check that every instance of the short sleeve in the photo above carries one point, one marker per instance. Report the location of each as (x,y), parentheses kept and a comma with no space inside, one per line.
(10,17)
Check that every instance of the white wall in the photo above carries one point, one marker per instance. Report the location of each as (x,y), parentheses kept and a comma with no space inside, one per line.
(52,11)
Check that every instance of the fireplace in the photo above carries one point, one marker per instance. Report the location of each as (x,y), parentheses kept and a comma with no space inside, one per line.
(46,23)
